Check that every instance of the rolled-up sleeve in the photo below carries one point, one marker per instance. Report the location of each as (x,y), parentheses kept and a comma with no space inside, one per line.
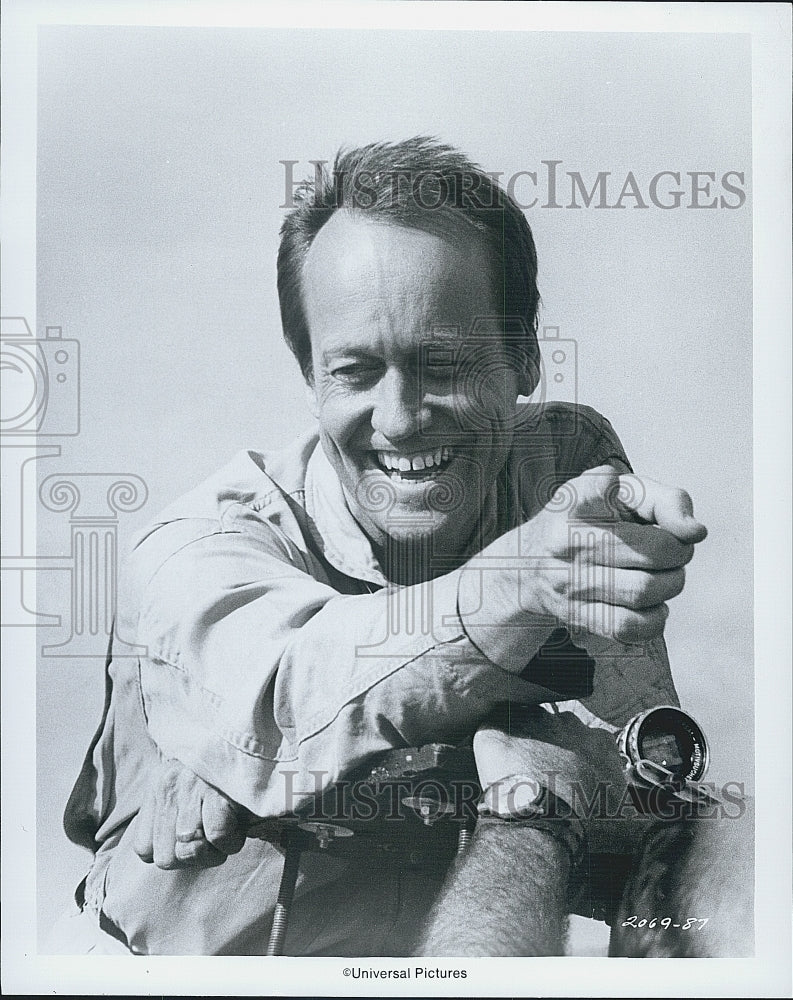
(270,684)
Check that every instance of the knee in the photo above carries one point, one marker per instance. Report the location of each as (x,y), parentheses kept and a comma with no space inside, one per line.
(699,869)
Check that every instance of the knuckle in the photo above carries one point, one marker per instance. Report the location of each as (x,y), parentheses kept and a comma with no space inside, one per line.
(643,595)
(671,553)
(655,619)
(623,624)
(660,614)
(579,491)
(657,587)
(216,835)
(635,626)
(220,821)
(632,591)
(189,833)
(187,853)
(678,582)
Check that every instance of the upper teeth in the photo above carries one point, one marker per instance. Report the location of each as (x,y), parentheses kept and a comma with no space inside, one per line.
(413,463)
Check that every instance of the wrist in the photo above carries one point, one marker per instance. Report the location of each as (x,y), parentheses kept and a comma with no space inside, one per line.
(505,803)
(490,606)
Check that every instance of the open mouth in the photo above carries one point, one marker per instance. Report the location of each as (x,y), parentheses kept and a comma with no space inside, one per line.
(416,467)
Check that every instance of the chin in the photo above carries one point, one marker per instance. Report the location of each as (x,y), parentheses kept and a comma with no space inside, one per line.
(440,535)
(413,529)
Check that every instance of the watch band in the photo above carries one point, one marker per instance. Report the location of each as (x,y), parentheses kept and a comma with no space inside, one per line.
(547,812)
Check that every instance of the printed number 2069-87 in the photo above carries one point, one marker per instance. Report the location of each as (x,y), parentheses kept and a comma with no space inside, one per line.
(690,923)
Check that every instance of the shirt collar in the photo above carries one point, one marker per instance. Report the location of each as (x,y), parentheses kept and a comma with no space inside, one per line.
(343,541)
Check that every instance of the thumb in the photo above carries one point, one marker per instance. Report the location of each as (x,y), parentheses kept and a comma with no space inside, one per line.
(667,506)
(224,824)
(589,494)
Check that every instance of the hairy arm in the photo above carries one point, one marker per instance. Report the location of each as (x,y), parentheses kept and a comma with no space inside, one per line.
(506,896)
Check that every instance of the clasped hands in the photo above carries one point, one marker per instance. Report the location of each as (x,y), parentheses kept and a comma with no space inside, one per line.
(602,558)
(612,583)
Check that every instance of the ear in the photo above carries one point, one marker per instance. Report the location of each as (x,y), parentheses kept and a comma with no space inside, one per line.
(311,399)
(529,374)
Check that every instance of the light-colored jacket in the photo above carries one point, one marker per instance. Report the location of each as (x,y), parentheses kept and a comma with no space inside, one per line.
(273,651)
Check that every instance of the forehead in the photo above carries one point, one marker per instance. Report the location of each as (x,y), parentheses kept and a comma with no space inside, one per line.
(378,280)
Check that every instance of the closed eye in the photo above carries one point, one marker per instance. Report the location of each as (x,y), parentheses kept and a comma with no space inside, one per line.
(356,374)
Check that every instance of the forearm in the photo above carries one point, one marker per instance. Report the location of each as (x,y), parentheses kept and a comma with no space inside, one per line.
(391,686)
(268,683)
(506,896)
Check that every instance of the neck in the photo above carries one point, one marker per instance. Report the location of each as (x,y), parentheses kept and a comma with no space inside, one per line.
(406,562)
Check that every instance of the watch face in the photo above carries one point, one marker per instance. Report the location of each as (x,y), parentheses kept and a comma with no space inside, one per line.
(664,749)
(671,739)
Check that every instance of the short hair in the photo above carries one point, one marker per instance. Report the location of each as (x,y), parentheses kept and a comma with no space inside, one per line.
(419,183)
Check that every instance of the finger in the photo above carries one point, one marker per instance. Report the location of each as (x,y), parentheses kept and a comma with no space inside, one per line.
(670,508)
(165,819)
(143,836)
(198,854)
(628,588)
(224,823)
(189,825)
(621,624)
(628,546)
(189,835)
(588,495)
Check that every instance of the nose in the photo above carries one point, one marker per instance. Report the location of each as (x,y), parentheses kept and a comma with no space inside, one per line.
(399,411)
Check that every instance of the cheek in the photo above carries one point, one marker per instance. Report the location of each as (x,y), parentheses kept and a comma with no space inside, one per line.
(484,389)
(499,386)
(486,404)
(341,418)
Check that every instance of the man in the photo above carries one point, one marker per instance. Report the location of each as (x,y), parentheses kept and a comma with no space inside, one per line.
(393,579)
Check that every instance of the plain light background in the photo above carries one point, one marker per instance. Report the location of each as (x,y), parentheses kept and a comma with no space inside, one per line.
(159,194)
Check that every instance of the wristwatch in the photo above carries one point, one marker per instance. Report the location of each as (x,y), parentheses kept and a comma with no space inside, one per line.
(669,740)
(519,801)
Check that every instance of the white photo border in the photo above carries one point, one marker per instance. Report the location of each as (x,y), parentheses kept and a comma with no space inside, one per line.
(768,974)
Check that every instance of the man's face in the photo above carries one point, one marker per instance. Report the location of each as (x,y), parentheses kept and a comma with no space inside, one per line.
(413,422)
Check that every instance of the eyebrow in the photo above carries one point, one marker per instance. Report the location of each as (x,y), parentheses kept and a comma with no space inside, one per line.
(354,353)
